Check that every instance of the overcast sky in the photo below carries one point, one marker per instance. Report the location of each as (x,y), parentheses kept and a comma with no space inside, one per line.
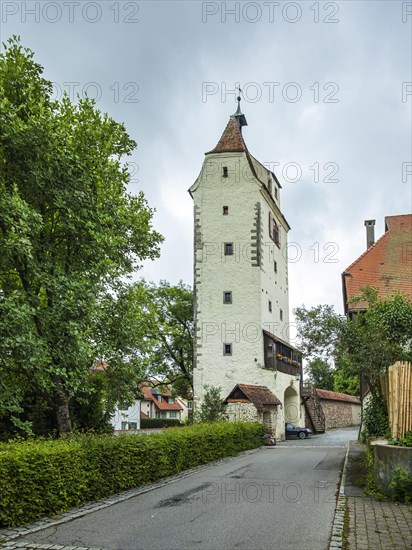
(326,97)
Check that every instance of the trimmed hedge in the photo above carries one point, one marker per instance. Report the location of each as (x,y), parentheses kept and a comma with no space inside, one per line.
(159,423)
(43,477)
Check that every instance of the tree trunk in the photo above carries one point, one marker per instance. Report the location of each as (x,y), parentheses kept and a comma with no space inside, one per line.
(64,422)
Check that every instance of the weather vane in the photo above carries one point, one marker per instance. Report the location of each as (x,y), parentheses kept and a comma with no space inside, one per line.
(240,91)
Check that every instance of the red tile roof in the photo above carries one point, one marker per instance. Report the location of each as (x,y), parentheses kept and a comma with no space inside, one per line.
(231,140)
(161,405)
(260,396)
(386,265)
(334,396)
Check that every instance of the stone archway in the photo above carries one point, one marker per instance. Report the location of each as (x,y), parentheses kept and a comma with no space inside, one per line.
(291,405)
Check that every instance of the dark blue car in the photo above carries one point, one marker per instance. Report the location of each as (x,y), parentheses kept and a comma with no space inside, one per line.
(291,429)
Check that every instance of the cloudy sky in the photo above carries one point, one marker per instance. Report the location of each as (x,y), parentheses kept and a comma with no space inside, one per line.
(326,91)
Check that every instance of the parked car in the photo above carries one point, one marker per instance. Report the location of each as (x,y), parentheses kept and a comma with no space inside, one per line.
(291,429)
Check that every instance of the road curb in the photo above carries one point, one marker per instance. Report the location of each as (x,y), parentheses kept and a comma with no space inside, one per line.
(336,541)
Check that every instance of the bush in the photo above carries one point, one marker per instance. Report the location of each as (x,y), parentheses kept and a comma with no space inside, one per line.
(146,423)
(401,486)
(375,419)
(402,441)
(43,477)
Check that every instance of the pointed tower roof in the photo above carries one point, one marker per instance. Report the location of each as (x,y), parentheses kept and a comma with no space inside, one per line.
(232,139)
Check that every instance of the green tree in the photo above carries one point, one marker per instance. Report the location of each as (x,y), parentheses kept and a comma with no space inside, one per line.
(166,326)
(70,234)
(212,407)
(320,374)
(364,346)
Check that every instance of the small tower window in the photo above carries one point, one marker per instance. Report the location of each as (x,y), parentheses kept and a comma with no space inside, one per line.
(270,306)
(228,249)
(227,297)
(276,192)
(225,210)
(227,349)
(281,314)
(275,266)
(225,174)
(270,186)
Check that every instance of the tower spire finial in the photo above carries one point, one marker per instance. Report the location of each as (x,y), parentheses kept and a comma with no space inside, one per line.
(239,115)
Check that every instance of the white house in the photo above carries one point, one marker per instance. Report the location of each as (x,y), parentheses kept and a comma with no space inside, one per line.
(127,417)
(241,278)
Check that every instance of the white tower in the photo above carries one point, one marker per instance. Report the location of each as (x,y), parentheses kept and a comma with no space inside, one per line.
(241,278)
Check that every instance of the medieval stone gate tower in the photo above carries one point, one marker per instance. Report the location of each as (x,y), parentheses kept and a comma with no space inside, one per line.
(241,284)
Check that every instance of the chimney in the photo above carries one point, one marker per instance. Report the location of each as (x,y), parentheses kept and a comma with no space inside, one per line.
(370,232)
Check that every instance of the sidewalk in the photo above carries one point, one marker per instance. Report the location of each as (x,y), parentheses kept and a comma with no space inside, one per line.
(373,524)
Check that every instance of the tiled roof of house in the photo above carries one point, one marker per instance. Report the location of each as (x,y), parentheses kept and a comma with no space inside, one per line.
(335,396)
(231,140)
(386,265)
(162,405)
(260,396)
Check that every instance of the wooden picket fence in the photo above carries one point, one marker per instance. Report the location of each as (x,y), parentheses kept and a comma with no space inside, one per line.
(396,387)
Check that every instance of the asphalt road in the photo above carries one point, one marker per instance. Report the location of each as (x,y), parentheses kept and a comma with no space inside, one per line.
(279,498)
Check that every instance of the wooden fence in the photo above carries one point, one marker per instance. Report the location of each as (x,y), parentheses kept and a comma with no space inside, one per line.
(396,387)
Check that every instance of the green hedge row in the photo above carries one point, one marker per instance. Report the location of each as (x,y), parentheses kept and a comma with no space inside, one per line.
(43,477)
(158,423)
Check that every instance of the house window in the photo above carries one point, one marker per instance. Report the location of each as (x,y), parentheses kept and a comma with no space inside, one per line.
(123,406)
(275,266)
(162,415)
(132,425)
(228,249)
(227,297)
(225,174)
(281,314)
(225,210)
(227,349)
(189,405)
(173,414)
(171,400)
(124,426)
(270,306)
(159,398)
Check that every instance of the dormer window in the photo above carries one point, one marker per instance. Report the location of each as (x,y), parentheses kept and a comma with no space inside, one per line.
(225,174)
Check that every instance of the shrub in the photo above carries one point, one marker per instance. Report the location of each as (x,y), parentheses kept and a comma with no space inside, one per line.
(146,423)
(402,441)
(375,419)
(212,407)
(40,477)
(400,487)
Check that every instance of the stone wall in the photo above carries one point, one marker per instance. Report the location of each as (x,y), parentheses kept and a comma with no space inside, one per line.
(247,412)
(244,412)
(340,414)
(386,459)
